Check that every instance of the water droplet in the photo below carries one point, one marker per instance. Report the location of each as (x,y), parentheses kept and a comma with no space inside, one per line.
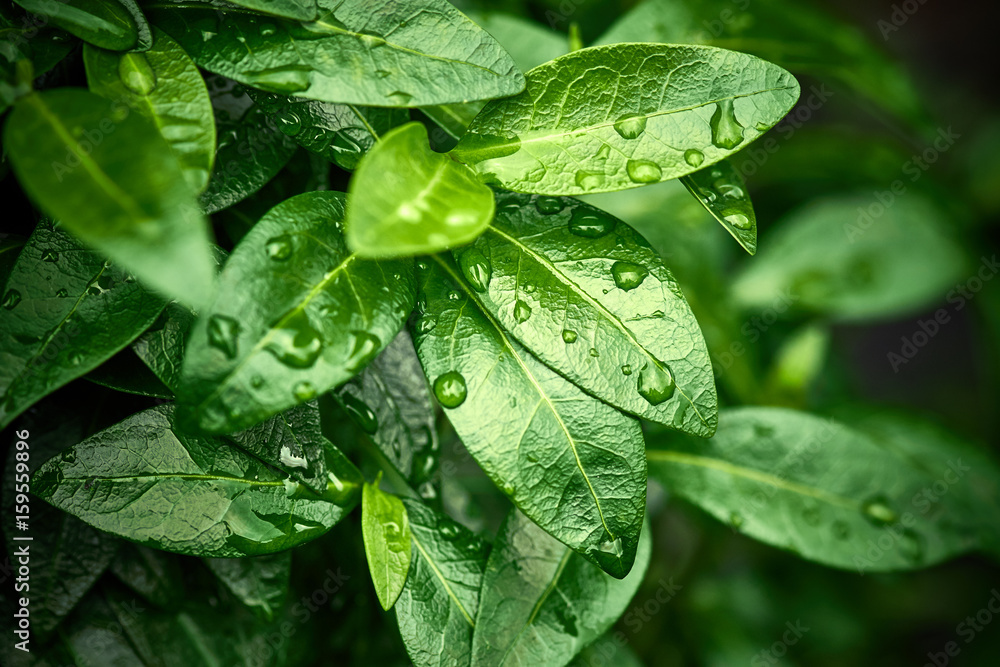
(62,293)
(735,520)
(549,205)
(422,265)
(279,248)
(366,346)
(529,288)
(589,180)
(256,382)
(594,352)
(426,325)
(728,189)
(613,547)
(136,73)
(694,157)
(288,79)
(522,311)
(295,343)
(736,219)
(448,530)
(304,391)
(476,269)
(643,171)
(362,414)
(656,383)
(450,389)
(590,225)
(630,126)
(727,133)
(627,275)
(810,515)
(532,458)
(222,334)
(50,256)
(626,370)
(11,299)
(878,512)
(454,295)
(840,530)
(400,98)
(762,127)
(288,122)
(569,336)
(508,489)
(267,29)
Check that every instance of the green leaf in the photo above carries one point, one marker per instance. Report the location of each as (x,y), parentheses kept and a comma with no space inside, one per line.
(391,402)
(341,133)
(543,441)
(386,532)
(452,121)
(304,10)
(125,372)
(723,193)
(66,311)
(297,314)
(437,609)
(831,493)
(608,649)
(527,42)
(398,53)
(164,85)
(146,481)
(10,248)
(615,117)
(161,347)
(21,40)
(541,603)
(250,151)
(835,258)
(144,31)
(110,178)
(260,582)
(428,202)
(153,574)
(108,25)
(586,294)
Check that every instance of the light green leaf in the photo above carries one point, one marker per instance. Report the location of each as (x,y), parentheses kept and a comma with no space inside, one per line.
(110,178)
(65,312)
(437,609)
(260,582)
(427,202)
(144,480)
(540,603)
(723,193)
(571,463)
(164,85)
(398,53)
(588,296)
(304,10)
(341,133)
(452,121)
(386,532)
(831,493)
(108,25)
(297,314)
(836,258)
(615,117)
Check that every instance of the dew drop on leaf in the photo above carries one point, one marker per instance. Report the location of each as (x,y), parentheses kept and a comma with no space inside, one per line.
(735,520)
(630,126)
(136,73)
(454,295)
(589,225)
(366,346)
(549,205)
(727,133)
(656,383)
(426,325)
(569,336)
(643,171)
(613,547)
(289,122)
(627,275)
(361,413)
(736,219)
(295,343)
(11,299)
(448,530)
(50,256)
(626,370)
(450,389)
(476,268)
(304,391)
(522,311)
(222,334)
(401,98)
(840,530)
(589,180)
(594,352)
(267,29)
(878,512)
(279,248)
(256,382)
(288,79)
(694,157)
(810,515)
(62,293)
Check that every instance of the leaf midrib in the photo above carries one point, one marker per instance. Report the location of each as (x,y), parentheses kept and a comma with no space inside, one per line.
(442,578)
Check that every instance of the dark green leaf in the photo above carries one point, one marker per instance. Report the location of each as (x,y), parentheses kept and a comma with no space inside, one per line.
(833,494)
(836,258)
(92,636)
(386,532)
(111,179)
(66,311)
(125,372)
(570,462)
(428,202)
(341,133)
(10,248)
(21,40)
(103,23)
(260,582)
(588,296)
(541,603)
(397,53)
(297,314)
(723,193)
(437,609)
(250,148)
(153,574)
(304,10)
(615,117)
(164,85)
(161,347)
(147,482)
(143,30)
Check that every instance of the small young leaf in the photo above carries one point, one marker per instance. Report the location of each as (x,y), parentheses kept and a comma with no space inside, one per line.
(723,193)
(109,25)
(260,582)
(66,311)
(540,602)
(621,116)
(437,609)
(390,53)
(427,202)
(586,294)
(144,480)
(386,532)
(570,462)
(110,178)
(164,85)
(297,314)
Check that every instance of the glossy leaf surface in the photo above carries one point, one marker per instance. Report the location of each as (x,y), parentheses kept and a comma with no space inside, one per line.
(304,10)
(386,532)
(572,463)
(108,25)
(723,192)
(625,115)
